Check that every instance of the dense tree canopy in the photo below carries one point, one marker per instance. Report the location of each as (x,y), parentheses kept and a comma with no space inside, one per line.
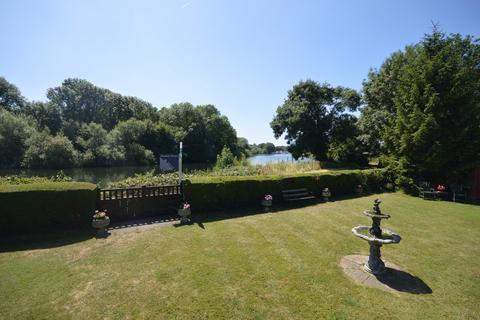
(312,117)
(10,97)
(203,130)
(46,114)
(262,148)
(423,107)
(97,147)
(83,125)
(47,151)
(14,132)
(83,102)
(420,113)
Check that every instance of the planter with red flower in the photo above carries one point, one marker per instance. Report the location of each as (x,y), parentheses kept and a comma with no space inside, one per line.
(184,212)
(441,191)
(267,202)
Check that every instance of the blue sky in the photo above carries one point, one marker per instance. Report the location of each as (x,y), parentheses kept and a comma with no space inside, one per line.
(241,56)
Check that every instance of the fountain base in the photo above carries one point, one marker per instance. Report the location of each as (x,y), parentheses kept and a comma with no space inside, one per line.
(374,264)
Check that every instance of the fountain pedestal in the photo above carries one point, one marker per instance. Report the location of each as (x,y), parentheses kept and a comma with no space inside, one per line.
(376,237)
(375,264)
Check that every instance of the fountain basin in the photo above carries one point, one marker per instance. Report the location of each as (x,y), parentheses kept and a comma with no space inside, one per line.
(372,214)
(389,238)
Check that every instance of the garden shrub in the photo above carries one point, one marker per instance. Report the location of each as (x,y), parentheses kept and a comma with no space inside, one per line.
(205,193)
(48,205)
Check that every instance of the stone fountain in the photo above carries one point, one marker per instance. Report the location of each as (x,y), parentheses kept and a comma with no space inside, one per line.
(376,237)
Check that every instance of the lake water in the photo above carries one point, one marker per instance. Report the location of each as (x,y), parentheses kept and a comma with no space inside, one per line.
(262,159)
(103,176)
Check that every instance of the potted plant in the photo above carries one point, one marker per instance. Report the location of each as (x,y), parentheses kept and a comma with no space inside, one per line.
(441,191)
(389,186)
(100,221)
(267,202)
(358,189)
(184,212)
(326,194)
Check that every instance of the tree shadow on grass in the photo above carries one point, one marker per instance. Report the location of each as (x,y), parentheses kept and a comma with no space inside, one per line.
(404,282)
(153,220)
(219,214)
(52,238)
(45,239)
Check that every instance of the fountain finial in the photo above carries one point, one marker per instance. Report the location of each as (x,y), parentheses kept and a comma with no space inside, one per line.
(376,206)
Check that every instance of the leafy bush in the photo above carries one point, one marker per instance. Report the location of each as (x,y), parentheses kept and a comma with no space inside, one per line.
(14,179)
(146,179)
(46,151)
(14,132)
(45,205)
(152,179)
(205,193)
(225,159)
(94,145)
(133,138)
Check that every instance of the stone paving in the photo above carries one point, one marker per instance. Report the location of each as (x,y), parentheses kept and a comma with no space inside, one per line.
(394,280)
(142,224)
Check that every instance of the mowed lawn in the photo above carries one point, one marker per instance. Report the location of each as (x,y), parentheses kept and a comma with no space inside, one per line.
(280,265)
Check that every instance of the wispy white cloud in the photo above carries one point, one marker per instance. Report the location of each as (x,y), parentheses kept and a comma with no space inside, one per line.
(186,4)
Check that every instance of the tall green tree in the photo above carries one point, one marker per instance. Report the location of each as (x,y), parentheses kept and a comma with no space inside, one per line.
(242,146)
(219,133)
(203,130)
(95,146)
(14,133)
(308,115)
(187,125)
(81,101)
(379,110)
(428,96)
(126,136)
(10,97)
(345,145)
(47,115)
(158,138)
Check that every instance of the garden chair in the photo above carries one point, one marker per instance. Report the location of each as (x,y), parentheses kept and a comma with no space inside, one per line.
(426,191)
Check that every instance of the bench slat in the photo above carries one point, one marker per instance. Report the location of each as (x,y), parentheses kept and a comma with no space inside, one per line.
(302,198)
(294,190)
(297,194)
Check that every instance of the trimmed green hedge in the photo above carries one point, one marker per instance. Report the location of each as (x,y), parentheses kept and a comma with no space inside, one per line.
(30,207)
(206,193)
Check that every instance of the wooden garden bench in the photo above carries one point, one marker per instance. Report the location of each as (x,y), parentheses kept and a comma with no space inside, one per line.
(427,192)
(297,195)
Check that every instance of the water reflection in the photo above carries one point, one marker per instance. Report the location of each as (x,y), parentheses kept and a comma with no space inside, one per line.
(104,176)
(100,176)
(262,159)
